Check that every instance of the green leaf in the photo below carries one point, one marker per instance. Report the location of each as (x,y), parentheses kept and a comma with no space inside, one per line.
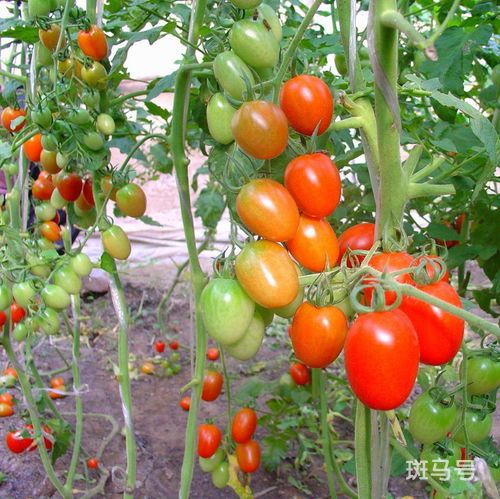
(157,87)
(107,263)
(157,110)
(149,221)
(210,206)
(441,231)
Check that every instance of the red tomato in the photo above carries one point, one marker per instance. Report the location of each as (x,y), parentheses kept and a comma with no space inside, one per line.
(51,231)
(42,189)
(160,346)
(244,425)
(17,313)
(318,334)
(248,456)
(260,129)
(6,398)
(459,221)
(185,403)
(307,103)
(213,354)
(93,43)
(92,463)
(314,182)
(87,192)
(268,210)
(381,355)
(174,345)
(389,262)
(212,386)
(358,237)
(209,438)
(10,114)
(299,373)
(440,333)
(315,245)
(16,443)
(69,186)
(33,148)
(82,203)
(3,318)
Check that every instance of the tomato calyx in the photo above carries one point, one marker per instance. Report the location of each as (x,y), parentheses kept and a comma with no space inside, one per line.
(428,269)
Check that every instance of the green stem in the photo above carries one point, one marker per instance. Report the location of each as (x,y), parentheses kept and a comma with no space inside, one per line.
(428,169)
(393,19)
(440,29)
(319,380)
(227,382)
(362,449)
(13,76)
(411,162)
(463,381)
(137,145)
(91,10)
(425,189)
(353,122)
(125,97)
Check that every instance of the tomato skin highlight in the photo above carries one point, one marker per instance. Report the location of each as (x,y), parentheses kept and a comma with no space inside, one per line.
(93,43)
(209,438)
(381,355)
(314,182)
(212,386)
(430,421)
(244,425)
(32,148)
(268,210)
(9,114)
(248,456)
(260,129)
(440,333)
(307,103)
(315,244)
(267,274)
(318,334)
(358,237)
(300,374)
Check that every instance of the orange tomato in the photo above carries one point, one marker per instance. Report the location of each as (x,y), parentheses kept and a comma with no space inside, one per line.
(315,245)
(33,148)
(51,231)
(9,114)
(48,161)
(93,43)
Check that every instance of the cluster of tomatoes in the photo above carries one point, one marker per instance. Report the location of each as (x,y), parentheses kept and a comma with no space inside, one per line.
(171,366)
(58,386)
(7,404)
(20,441)
(212,457)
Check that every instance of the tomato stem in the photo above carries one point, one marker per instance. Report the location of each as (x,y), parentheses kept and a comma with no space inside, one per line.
(362,450)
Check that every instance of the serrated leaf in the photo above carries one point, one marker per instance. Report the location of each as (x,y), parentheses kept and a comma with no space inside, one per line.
(149,221)
(210,205)
(157,110)
(161,86)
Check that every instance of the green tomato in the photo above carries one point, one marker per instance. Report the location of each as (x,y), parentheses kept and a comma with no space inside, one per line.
(430,454)
(42,117)
(55,297)
(105,124)
(288,311)
(48,321)
(5,297)
(20,332)
(266,314)
(429,420)
(268,14)
(49,142)
(208,464)
(254,43)
(246,4)
(248,346)
(91,99)
(38,267)
(62,160)
(11,168)
(176,368)
(175,356)
(227,310)
(233,75)
(219,116)
(95,75)
(24,293)
(56,200)
(68,279)
(38,8)
(341,64)
(79,117)
(93,141)
(81,264)
(45,244)
(45,212)
(482,375)
(116,242)
(477,429)
(43,55)
(220,476)
(169,372)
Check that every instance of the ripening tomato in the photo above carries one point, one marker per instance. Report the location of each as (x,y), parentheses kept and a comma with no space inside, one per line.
(49,38)
(209,438)
(55,394)
(213,354)
(226,310)
(87,192)
(212,386)
(185,403)
(483,374)
(95,75)
(69,186)
(51,231)
(267,274)
(92,463)
(116,242)
(81,206)
(32,148)
(147,368)
(16,443)
(48,161)
(6,410)
(6,398)
(430,420)
(260,129)
(381,355)
(440,333)
(10,371)
(107,188)
(17,313)
(131,200)
(244,425)
(314,182)
(10,115)
(300,374)
(42,189)
(318,334)
(307,103)
(160,346)
(268,210)
(248,456)
(389,262)
(93,43)
(248,346)
(314,245)
(358,237)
